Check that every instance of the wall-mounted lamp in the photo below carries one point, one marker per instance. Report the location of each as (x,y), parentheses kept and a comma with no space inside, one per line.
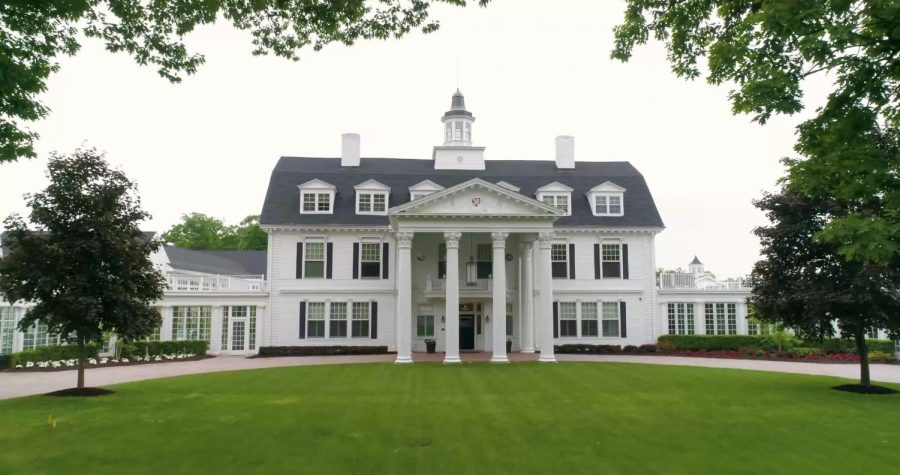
(487,318)
(443,319)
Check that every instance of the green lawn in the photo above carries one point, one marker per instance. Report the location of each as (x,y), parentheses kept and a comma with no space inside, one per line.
(473,418)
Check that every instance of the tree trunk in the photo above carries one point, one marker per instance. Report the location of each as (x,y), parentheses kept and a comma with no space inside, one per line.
(863,350)
(80,363)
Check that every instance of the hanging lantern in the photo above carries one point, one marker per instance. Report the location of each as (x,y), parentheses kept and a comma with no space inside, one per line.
(471,272)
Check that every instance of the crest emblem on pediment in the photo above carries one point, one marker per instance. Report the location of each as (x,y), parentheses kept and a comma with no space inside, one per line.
(476,201)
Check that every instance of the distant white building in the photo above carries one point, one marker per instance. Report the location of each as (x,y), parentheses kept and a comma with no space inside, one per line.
(469,252)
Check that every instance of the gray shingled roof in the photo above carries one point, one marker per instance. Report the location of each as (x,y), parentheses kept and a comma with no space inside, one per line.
(217,262)
(282,204)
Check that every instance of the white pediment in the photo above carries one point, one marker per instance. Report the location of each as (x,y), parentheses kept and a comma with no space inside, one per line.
(555,187)
(475,198)
(372,185)
(316,184)
(608,187)
(426,185)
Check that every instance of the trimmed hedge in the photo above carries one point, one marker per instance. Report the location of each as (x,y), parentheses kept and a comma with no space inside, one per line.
(603,349)
(51,353)
(267,351)
(154,348)
(761,342)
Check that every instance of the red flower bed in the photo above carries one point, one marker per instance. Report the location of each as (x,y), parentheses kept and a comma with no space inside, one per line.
(734,354)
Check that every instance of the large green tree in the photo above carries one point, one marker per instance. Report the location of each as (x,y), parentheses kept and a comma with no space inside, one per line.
(802,282)
(86,265)
(199,231)
(34,34)
(766,48)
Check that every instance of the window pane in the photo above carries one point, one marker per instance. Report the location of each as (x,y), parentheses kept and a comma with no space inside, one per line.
(314,269)
(611,265)
(600,203)
(309,202)
(338,320)
(568,326)
(615,205)
(365,203)
(371,252)
(315,251)
(324,202)
(379,203)
(610,319)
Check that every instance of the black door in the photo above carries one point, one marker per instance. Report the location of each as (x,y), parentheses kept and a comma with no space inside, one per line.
(467,332)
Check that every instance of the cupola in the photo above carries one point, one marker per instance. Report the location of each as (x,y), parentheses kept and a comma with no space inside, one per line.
(457,153)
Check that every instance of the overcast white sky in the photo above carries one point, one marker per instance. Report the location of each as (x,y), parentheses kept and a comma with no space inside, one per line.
(529,72)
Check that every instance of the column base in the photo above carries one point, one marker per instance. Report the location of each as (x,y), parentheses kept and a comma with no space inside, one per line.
(403,360)
(547,359)
(499,359)
(452,360)
(527,350)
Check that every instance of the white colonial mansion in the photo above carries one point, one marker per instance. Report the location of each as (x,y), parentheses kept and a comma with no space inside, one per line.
(468,252)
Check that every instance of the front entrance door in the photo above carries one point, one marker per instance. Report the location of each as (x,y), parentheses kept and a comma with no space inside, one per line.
(467,332)
(238,334)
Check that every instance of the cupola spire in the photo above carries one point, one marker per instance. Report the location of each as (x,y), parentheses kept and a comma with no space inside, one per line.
(458,122)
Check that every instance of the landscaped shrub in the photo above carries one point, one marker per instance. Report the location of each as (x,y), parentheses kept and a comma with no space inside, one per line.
(848,345)
(51,353)
(803,352)
(155,348)
(629,349)
(710,342)
(649,348)
(321,350)
(881,357)
(584,348)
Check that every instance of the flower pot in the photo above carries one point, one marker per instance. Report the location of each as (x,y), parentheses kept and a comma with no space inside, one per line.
(430,346)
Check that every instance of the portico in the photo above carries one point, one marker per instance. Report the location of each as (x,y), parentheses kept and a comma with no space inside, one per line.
(474,215)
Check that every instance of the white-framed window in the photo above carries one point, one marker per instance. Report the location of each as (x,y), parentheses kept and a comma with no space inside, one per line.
(872,333)
(468,132)
(611,260)
(7,329)
(337,320)
(191,323)
(315,320)
(370,260)
(560,200)
(589,324)
(425,322)
(371,203)
(681,318)
(721,318)
(423,189)
(362,315)
(559,261)
(752,327)
(608,205)
(484,259)
(448,131)
(458,130)
(38,335)
(610,317)
(316,203)
(568,320)
(314,260)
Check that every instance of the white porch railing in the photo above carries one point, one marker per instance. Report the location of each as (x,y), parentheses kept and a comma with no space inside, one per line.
(685,281)
(216,283)
(481,284)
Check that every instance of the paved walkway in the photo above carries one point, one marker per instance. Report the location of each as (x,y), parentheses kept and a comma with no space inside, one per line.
(24,384)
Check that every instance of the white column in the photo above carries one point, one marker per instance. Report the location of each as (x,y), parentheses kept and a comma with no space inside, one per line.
(545,307)
(18,337)
(527,293)
(215,333)
(498,241)
(165,330)
(404,298)
(451,285)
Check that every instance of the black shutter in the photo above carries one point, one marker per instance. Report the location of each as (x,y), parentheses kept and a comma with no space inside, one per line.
(623,322)
(299,260)
(374,320)
(555,319)
(329,254)
(385,259)
(596,261)
(356,260)
(624,261)
(302,320)
(571,261)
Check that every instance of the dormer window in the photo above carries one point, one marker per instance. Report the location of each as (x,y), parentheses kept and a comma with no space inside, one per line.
(558,195)
(423,189)
(372,197)
(607,199)
(316,197)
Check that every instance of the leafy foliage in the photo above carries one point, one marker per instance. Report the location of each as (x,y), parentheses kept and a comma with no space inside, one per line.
(87,266)
(767,48)
(199,231)
(51,353)
(33,34)
(804,283)
(157,348)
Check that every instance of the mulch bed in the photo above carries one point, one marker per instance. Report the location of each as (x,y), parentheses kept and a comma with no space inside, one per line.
(740,356)
(83,392)
(108,365)
(858,389)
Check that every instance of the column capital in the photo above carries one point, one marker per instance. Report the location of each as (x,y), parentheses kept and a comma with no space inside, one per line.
(404,238)
(546,238)
(499,239)
(452,239)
